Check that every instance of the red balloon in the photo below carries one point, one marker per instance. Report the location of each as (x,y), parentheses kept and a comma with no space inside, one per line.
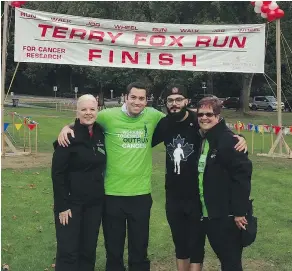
(16,4)
(265,9)
(253,3)
(279,13)
(267,2)
(271,15)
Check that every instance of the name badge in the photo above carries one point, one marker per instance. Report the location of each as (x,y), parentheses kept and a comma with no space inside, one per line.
(202,163)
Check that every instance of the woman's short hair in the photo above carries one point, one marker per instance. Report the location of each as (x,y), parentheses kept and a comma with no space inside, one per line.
(85,97)
(212,102)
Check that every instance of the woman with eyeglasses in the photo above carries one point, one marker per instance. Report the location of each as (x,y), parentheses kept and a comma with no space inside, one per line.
(224,186)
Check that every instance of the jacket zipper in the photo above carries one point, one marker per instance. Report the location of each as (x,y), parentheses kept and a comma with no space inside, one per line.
(202,148)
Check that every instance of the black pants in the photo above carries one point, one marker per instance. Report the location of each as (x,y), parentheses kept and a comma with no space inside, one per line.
(76,242)
(225,240)
(120,213)
(183,217)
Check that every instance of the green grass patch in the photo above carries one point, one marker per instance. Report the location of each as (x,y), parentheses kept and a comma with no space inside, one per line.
(28,234)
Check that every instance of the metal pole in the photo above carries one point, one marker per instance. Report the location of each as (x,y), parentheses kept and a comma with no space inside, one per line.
(279,88)
(56,100)
(3,73)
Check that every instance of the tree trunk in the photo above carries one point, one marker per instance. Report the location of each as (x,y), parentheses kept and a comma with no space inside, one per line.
(245,92)
(210,89)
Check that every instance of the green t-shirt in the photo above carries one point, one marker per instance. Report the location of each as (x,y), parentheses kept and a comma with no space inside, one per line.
(129,152)
(201,169)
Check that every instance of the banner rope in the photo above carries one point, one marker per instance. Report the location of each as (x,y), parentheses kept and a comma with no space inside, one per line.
(287,60)
(14,74)
(265,75)
(286,41)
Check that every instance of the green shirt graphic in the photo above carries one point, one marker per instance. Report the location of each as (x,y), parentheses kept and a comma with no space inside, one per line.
(201,169)
(129,151)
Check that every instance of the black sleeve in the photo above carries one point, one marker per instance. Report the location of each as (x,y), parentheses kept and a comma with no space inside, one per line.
(239,168)
(159,132)
(60,164)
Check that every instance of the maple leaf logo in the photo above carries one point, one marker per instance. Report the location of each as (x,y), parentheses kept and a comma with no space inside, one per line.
(187,148)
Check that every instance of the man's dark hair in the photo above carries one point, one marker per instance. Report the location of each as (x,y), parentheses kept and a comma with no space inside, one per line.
(136,84)
(212,102)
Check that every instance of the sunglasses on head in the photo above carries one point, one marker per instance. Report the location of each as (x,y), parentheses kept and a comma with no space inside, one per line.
(208,114)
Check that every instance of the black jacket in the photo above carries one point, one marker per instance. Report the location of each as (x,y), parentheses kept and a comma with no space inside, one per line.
(78,170)
(227,175)
(183,185)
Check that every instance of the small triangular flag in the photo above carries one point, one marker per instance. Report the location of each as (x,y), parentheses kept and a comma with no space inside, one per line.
(6,124)
(261,129)
(267,128)
(286,131)
(276,129)
(18,126)
(31,126)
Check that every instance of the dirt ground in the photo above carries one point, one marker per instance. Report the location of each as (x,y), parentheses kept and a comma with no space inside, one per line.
(26,161)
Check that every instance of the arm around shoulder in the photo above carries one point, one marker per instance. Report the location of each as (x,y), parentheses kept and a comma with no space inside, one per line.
(159,132)
(63,139)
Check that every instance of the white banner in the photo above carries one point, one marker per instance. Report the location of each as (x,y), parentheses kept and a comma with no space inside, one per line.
(44,37)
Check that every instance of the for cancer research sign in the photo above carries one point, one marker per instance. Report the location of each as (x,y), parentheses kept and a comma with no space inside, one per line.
(43,37)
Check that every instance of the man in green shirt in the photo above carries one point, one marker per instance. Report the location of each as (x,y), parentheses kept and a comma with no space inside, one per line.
(128,138)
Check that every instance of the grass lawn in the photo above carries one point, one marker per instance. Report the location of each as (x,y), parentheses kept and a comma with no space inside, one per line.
(28,237)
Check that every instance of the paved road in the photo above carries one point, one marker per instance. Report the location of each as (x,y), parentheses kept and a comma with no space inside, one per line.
(25,101)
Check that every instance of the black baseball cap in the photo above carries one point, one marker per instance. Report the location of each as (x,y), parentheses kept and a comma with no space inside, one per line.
(176,89)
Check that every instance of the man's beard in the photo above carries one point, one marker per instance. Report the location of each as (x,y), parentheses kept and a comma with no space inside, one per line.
(177,116)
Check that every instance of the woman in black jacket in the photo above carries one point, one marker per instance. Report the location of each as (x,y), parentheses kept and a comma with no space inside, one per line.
(78,184)
(224,185)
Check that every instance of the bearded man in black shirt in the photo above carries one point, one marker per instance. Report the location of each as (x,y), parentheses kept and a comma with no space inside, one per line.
(179,131)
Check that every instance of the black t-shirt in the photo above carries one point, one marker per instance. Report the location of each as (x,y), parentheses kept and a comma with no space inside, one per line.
(182,142)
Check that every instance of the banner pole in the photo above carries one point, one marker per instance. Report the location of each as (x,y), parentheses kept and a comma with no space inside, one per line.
(279,88)
(3,72)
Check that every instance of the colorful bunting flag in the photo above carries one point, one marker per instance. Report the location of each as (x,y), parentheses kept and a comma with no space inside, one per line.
(276,129)
(6,124)
(239,126)
(31,126)
(18,126)
(267,128)
(286,130)
(261,129)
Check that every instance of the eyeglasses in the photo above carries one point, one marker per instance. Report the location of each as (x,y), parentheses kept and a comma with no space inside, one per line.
(208,114)
(176,100)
